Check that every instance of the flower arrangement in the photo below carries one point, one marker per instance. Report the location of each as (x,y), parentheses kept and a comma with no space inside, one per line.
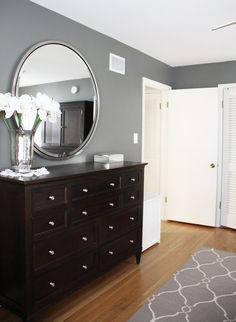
(28,111)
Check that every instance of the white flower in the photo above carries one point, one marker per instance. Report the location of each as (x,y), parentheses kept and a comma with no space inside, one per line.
(42,114)
(29,110)
(8,113)
(4,101)
(42,101)
(47,108)
(5,106)
(27,104)
(14,103)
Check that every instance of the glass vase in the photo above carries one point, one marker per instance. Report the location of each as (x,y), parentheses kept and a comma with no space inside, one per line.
(22,149)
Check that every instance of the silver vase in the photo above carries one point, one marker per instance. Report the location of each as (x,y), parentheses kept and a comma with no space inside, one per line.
(22,149)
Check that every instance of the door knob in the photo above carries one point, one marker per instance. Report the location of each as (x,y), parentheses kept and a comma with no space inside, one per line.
(212,165)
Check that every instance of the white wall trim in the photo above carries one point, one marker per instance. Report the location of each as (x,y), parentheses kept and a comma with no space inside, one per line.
(221,88)
(154,84)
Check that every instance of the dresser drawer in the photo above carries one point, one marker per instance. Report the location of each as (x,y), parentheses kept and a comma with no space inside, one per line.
(48,197)
(120,248)
(131,178)
(49,221)
(95,206)
(131,196)
(94,185)
(53,248)
(62,277)
(112,226)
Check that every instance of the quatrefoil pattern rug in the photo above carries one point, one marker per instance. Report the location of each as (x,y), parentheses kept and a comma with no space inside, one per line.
(203,290)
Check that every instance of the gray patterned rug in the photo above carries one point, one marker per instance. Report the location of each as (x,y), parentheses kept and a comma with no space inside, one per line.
(203,290)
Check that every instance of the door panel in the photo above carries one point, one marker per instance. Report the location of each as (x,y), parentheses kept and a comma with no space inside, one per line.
(192,148)
(228,198)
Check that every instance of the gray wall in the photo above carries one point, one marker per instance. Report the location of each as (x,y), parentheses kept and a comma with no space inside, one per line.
(23,24)
(204,75)
(60,91)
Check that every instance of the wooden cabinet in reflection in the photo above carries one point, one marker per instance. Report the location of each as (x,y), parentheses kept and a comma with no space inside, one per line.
(71,129)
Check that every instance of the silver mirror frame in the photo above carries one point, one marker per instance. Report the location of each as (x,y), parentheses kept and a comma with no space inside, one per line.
(15,85)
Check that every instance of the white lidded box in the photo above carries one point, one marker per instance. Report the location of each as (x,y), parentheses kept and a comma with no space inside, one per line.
(108,157)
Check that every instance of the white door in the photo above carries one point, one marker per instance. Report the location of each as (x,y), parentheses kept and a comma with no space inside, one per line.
(228,198)
(192,156)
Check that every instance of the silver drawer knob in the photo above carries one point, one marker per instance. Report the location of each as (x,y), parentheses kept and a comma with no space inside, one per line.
(85,266)
(112,184)
(51,223)
(51,198)
(51,252)
(131,218)
(111,252)
(111,227)
(52,284)
(84,238)
(132,197)
(85,190)
(84,212)
(132,179)
(111,204)
(131,241)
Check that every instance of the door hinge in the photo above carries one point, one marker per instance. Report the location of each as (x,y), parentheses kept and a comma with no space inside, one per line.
(222,104)
(166,199)
(220,204)
(160,106)
(167,104)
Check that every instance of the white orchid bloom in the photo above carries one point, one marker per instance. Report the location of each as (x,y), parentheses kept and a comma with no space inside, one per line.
(42,114)
(26,104)
(8,113)
(30,111)
(6,106)
(48,109)
(3,101)
(14,103)
(42,101)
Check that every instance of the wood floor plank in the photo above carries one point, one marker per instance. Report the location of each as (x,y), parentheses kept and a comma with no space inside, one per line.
(116,295)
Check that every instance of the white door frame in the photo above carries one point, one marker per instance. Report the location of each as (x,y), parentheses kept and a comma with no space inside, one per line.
(221,88)
(164,89)
(164,124)
(156,85)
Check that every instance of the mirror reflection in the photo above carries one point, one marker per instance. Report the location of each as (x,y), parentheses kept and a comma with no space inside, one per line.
(62,73)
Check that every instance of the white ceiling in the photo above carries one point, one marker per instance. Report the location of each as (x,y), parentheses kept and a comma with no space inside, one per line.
(175,32)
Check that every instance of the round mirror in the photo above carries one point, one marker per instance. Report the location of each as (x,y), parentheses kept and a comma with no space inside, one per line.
(58,70)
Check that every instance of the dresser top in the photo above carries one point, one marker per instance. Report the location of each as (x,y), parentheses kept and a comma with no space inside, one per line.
(68,171)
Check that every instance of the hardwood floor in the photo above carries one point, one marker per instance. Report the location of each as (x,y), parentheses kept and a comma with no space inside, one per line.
(116,295)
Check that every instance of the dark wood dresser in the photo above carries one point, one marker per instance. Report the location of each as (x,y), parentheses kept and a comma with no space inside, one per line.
(60,230)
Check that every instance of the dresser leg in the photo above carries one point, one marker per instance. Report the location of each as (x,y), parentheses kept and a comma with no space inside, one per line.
(138,257)
(27,319)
